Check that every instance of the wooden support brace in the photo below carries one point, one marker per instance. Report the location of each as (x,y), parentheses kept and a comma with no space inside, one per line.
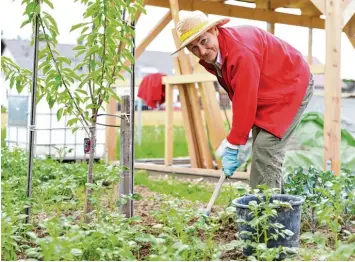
(169,124)
(195,159)
(310,46)
(320,4)
(332,135)
(153,33)
(111,108)
(348,9)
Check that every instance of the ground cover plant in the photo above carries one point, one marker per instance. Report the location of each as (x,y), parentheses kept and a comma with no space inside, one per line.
(166,225)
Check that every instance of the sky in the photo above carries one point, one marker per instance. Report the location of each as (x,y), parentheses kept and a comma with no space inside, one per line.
(68,13)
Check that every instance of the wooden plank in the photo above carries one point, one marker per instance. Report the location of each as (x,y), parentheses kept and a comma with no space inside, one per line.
(188,122)
(348,9)
(189,78)
(317,69)
(201,136)
(265,5)
(153,33)
(190,171)
(310,46)
(169,125)
(213,115)
(245,12)
(332,86)
(199,78)
(111,132)
(320,4)
(202,150)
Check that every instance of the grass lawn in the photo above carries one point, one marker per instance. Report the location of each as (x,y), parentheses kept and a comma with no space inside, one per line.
(3,136)
(152,145)
(186,190)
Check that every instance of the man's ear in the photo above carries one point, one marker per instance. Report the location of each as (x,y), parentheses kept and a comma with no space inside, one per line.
(215,30)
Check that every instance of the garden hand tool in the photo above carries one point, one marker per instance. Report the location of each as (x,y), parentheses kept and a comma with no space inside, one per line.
(215,194)
(230,163)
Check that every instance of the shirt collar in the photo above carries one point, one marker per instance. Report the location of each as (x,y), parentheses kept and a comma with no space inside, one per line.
(219,58)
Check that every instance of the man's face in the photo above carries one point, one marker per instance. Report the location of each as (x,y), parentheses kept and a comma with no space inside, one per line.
(205,46)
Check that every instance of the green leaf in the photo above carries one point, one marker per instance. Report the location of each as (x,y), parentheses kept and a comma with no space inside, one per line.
(30,8)
(59,114)
(72,121)
(91,106)
(64,60)
(82,91)
(288,232)
(48,3)
(79,47)
(25,23)
(58,80)
(74,27)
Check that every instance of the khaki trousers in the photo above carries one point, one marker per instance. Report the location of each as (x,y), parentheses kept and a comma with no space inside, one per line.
(268,151)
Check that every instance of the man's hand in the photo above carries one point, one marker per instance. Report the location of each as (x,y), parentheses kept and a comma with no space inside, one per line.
(230,161)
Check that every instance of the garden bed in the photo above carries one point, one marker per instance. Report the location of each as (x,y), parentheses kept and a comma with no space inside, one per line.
(167,222)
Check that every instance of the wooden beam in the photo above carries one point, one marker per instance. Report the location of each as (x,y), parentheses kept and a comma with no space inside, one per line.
(153,33)
(189,79)
(190,171)
(169,125)
(310,9)
(348,11)
(201,136)
(188,122)
(332,88)
(200,139)
(287,3)
(265,5)
(111,132)
(350,32)
(310,46)
(320,4)
(245,12)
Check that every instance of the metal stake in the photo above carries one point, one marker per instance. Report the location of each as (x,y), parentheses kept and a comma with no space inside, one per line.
(33,118)
(131,146)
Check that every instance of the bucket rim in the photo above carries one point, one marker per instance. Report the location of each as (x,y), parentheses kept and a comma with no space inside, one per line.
(300,200)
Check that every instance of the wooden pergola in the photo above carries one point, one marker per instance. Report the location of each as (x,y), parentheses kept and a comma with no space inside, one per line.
(335,16)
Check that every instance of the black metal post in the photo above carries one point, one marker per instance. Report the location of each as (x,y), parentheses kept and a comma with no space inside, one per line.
(32,130)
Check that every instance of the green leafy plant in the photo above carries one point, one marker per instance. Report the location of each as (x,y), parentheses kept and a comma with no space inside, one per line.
(80,90)
(262,227)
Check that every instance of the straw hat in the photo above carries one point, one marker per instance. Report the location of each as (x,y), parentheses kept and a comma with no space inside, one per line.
(193,24)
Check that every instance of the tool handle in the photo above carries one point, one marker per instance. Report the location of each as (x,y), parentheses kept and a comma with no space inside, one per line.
(215,194)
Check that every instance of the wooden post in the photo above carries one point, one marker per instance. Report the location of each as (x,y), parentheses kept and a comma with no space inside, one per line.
(111,108)
(310,45)
(332,136)
(186,68)
(265,4)
(188,123)
(169,125)
(125,179)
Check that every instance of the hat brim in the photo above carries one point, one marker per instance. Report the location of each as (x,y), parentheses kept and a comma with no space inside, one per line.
(218,22)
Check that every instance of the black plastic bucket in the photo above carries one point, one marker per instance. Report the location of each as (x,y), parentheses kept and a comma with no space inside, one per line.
(290,218)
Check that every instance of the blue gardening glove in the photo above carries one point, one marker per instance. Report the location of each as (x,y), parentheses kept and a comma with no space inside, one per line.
(230,161)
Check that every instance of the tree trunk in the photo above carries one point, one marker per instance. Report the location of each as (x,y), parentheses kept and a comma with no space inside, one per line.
(88,208)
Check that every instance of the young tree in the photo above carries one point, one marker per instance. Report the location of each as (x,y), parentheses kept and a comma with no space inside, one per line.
(104,44)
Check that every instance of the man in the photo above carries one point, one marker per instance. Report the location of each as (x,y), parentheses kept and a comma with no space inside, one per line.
(268,82)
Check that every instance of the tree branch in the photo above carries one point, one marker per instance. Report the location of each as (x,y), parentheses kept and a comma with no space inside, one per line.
(100,100)
(65,85)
